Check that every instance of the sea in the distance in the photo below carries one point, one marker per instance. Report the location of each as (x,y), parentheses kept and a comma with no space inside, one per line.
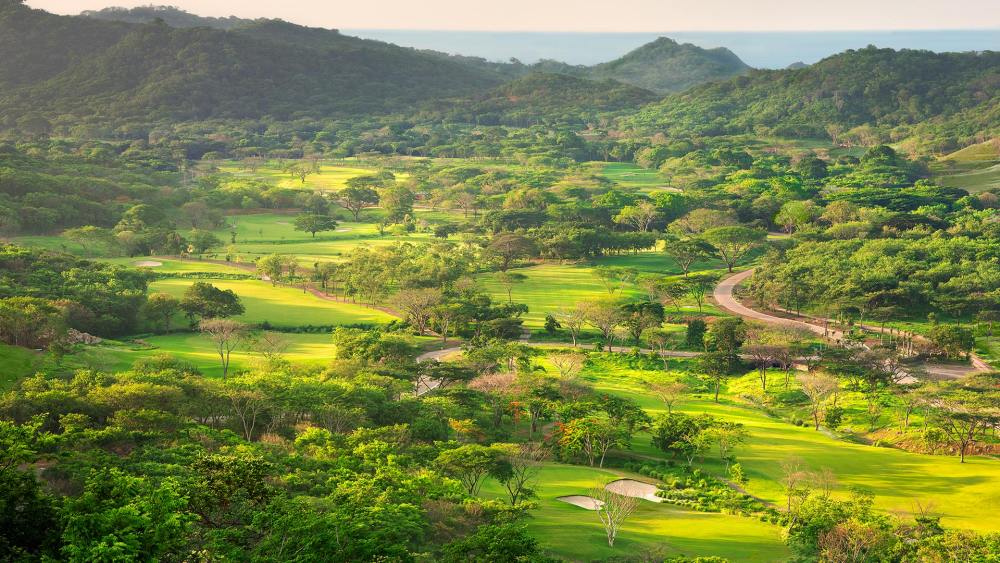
(758,49)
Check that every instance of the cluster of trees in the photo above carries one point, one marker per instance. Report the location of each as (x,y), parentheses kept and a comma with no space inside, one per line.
(160,462)
(860,96)
(42,293)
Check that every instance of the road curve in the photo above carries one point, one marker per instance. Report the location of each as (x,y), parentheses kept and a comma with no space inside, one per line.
(724,298)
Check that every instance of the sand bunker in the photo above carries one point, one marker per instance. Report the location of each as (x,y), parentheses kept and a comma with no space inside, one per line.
(148,264)
(633,488)
(344,230)
(585,502)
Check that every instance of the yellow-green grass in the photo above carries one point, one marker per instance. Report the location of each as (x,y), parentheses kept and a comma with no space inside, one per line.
(263,234)
(975,168)
(630,175)
(331,177)
(575,534)
(174,265)
(16,363)
(550,287)
(53,243)
(282,306)
(193,347)
(965,495)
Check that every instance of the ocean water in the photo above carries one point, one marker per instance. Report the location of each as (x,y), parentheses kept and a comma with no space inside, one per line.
(757,49)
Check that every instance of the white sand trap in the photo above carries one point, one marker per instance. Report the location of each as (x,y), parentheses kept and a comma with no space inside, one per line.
(148,264)
(344,230)
(585,502)
(282,223)
(633,488)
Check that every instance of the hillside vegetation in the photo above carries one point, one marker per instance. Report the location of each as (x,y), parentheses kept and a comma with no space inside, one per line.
(883,92)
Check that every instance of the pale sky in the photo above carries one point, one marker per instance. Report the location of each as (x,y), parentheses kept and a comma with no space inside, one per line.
(591,15)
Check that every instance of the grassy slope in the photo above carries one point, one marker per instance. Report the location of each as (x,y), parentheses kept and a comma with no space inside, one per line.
(282,306)
(576,534)
(195,348)
(975,168)
(552,286)
(965,495)
(331,177)
(16,363)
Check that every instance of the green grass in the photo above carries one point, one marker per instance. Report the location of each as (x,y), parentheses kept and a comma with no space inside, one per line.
(282,306)
(630,175)
(331,177)
(308,349)
(175,266)
(269,233)
(965,495)
(550,287)
(975,168)
(16,363)
(576,534)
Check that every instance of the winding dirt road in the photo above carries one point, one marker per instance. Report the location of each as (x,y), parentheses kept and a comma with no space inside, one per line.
(725,299)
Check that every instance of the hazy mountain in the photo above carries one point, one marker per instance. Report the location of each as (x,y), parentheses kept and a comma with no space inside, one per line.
(95,69)
(879,88)
(667,66)
(172,16)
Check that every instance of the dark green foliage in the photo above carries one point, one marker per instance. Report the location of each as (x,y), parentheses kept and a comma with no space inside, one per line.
(204,300)
(154,71)
(103,299)
(882,88)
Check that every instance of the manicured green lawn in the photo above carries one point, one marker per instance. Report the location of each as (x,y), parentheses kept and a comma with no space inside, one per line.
(630,175)
(282,306)
(197,349)
(268,233)
(965,495)
(331,177)
(16,363)
(550,287)
(576,534)
(173,265)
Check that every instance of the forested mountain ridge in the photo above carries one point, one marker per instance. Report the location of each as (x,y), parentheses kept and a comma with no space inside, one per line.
(547,97)
(662,66)
(171,15)
(886,90)
(83,68)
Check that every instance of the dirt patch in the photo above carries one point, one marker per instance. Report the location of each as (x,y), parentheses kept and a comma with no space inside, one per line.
(148,264)
(583,501)
(633,488)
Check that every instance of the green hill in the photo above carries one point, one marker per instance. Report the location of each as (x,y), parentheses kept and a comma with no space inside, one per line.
(661,66)
(538,97)
(78,67)
(882,89)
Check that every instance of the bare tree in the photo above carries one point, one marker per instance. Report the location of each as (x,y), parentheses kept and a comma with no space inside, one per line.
(272,346)
(605,316)
(817,387)
(418,305)
(573,319)
(226,334)
(825,480)
(795,479)
(247,404)
(667,391)
(612,510)
(524,461)
(569,364)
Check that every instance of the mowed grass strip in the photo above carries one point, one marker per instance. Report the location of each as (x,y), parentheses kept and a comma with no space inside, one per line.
(197,349)
(282,306)
(964,495)
(331,177)
(576,534)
